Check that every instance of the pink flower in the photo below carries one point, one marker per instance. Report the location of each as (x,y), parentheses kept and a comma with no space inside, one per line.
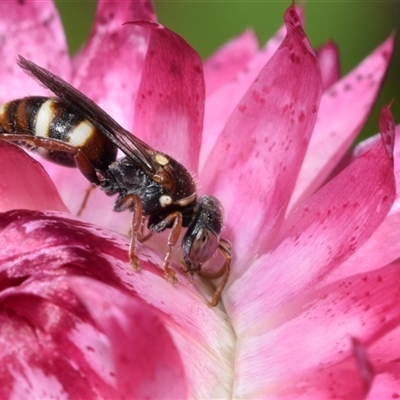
(309,310)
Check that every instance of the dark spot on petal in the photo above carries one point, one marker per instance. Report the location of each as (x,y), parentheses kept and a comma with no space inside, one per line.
(386,55)
(198,69)
(175,69)
(242,108)
(332,93)
(347,87)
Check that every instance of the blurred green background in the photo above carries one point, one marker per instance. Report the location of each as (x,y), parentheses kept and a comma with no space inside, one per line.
(356,26)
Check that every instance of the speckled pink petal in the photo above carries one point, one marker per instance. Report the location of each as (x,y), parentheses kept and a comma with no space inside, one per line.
(24,182)
(383,354)
(317,237)
(343,110)
(170,103)
(109,67)
(329,62)
(147,362)
(385,386)
(383,247)
(254,164)
(313,335)
(221,103)
(32,29)
(226,62)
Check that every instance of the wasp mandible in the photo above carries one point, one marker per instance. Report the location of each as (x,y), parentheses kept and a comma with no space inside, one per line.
(73,131)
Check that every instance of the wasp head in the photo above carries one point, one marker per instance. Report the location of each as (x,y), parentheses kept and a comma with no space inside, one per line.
(201,239)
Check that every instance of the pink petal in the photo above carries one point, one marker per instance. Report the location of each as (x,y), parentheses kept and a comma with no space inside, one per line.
(226,62)
(221,103)
(54,240)
(317,237)
(343,111)
(254,164)
(383,247)
(384,353)
(73,186)
(312,334)
(56,245)
(49,346)
(24,182)
(329,62)
(108,69)
(152,368)
(385,386)
(170,104)
(32,29)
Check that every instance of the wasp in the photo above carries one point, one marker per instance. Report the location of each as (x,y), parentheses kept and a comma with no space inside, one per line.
(73,131)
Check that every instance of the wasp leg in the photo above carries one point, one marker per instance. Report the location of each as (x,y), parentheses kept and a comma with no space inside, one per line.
(176,219)
(225,248)
(82,162)
(134,204)
(88,191)
(142,237)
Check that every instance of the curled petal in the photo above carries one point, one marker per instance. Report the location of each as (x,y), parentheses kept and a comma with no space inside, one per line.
(170,104)
(108,68)
(147,363)
(55,245)
(24,182)
(351,99)
(254,164)
(49,345)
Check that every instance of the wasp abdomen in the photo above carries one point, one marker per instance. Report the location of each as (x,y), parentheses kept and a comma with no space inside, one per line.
(52,119)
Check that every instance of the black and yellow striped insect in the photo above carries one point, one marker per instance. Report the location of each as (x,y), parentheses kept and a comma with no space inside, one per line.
(72,130)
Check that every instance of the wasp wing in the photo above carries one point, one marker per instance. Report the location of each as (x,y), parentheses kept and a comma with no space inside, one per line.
(138,151)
